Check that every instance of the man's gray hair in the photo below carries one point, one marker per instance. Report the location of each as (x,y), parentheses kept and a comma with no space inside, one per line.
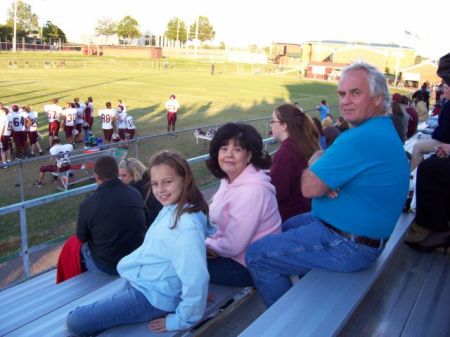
(377,81)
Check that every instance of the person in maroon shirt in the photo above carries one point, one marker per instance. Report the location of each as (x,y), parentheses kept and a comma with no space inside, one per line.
(299,140)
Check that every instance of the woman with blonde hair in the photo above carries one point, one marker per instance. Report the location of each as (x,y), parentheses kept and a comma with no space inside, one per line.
(132,172)
(329,131)
(299,140)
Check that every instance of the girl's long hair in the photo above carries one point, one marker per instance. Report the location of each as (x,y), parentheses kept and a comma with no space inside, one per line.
(191,199)
(301,129)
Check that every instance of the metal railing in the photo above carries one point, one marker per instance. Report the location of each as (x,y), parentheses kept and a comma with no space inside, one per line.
(23,206)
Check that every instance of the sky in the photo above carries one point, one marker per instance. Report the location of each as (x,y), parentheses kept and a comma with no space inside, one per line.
(243,22)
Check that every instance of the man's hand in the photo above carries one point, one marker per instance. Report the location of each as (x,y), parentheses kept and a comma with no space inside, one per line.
(158,325)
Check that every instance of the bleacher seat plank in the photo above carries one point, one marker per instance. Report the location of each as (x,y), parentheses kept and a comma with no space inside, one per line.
(387,306)
(47,299)
(36,284)
(322,301)
(430,316)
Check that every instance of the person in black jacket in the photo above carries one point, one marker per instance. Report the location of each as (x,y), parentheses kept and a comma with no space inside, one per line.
(111,222)
(134,173)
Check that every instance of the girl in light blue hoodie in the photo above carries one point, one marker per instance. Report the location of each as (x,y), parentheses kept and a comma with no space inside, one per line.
(165,280)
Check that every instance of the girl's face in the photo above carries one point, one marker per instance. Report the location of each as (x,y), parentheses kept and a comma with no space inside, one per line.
(166,184)
(125,176)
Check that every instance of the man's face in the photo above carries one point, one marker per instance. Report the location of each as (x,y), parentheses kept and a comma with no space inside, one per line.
(355,100)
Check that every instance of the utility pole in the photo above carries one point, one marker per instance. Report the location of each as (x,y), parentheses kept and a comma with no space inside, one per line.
(196,37)
(178,29)
(15,26)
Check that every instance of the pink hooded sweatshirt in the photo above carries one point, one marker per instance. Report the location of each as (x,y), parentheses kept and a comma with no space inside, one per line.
(243,211)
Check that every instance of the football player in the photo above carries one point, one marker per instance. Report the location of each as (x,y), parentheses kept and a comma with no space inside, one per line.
(108,117)
(53,111)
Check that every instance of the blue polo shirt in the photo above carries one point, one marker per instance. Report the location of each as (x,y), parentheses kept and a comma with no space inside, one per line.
(323,111)
(369,167)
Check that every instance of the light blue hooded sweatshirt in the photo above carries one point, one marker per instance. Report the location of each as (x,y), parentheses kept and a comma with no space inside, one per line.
(170,269)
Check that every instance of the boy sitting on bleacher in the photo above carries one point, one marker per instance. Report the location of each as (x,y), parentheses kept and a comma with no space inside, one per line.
(61,162)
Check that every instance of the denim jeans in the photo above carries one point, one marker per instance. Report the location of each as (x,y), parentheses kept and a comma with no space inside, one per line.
(305,244)
(227,272)
(90,264)
(126,306)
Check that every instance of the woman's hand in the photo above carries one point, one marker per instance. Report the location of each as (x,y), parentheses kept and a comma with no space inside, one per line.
(158,325)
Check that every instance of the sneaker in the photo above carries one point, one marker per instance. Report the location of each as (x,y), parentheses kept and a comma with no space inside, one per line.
(37,184)
(41,153)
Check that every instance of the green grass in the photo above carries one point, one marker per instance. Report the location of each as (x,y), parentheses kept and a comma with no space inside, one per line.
(234,93)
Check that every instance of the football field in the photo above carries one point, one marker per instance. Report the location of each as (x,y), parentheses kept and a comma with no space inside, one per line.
(234,92)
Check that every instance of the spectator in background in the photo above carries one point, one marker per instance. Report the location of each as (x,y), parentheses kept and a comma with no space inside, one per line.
(413,116)
(329,131)
(400,119)
(244,208)
(322,138)
(299,140)
(421,107)
(441,133)
(424,93)
(431,230)
(111,222)
(341,124)
(323,109)
(132,172)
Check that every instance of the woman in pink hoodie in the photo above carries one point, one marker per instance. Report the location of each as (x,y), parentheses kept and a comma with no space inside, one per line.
(244,209)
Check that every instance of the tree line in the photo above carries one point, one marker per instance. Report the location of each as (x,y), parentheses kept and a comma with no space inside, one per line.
(126,29)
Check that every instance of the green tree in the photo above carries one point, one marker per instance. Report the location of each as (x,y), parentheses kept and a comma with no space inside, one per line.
(6,32)
(52,32)
(173,26)
(106,27)
(128,29)
(205,29)
(27,21)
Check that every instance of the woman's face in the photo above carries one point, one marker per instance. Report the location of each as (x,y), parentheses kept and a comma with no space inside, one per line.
(279,130)
(233,159)
(125,176)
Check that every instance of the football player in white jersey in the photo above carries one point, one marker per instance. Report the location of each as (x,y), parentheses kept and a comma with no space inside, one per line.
(61,163)
(89,112)
(80,117)
(172,107)
(68,120)
(53,111)
(131,127)
(109,125)
(32,130)
(18,119)
(121,121)
(5,134)
(121,104)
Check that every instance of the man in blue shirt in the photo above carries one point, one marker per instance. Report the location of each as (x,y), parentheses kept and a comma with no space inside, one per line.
(323,109)
(359,186)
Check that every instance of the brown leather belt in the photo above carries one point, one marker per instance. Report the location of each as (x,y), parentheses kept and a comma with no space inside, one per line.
(374,243)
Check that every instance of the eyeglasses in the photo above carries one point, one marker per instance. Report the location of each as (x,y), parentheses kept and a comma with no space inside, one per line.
(271,121)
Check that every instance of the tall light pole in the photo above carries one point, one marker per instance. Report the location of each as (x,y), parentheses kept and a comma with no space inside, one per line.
(15,26)
(178,29)
(196,36)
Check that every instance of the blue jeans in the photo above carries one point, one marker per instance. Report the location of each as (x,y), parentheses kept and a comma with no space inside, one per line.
(90,264)
(227,272)
(305,244)
(127,306)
